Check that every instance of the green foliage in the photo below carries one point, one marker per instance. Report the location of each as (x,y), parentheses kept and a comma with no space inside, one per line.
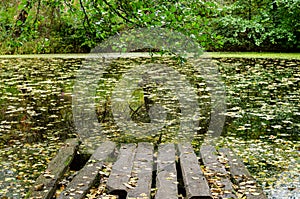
(75,26)
(261,25)
(79,25)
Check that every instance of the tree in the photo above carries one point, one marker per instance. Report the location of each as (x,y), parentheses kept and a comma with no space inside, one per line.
(49,26)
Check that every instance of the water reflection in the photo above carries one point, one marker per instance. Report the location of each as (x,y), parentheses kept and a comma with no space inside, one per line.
(36,111)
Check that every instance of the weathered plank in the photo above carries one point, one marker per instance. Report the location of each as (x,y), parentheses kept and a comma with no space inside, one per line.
(242,177)
(117,183)
(142,171)
(84,180)
(194,180)
(107,197)
(220,178)
(166,178)
(46,183)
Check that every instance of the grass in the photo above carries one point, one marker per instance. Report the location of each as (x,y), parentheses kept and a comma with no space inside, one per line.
(212,54)
(256,55)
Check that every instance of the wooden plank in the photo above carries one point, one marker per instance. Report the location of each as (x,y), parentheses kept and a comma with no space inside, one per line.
(194,180)
(166,180)
(107,197)
(241,176)
(142,171)
(237,168)
(219,178)
(86,177)
(117,183)
(46,183)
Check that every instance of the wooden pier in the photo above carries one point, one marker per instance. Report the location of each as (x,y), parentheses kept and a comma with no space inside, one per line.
(141,171)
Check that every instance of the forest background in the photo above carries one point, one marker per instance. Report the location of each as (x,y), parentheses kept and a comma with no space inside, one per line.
(77,26)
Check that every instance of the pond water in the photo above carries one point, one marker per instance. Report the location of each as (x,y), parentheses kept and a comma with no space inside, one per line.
(262,119)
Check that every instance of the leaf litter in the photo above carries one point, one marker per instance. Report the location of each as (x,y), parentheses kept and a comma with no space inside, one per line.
(262,120)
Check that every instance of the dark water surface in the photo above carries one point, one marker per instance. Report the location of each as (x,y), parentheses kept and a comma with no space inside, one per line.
(262,118)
